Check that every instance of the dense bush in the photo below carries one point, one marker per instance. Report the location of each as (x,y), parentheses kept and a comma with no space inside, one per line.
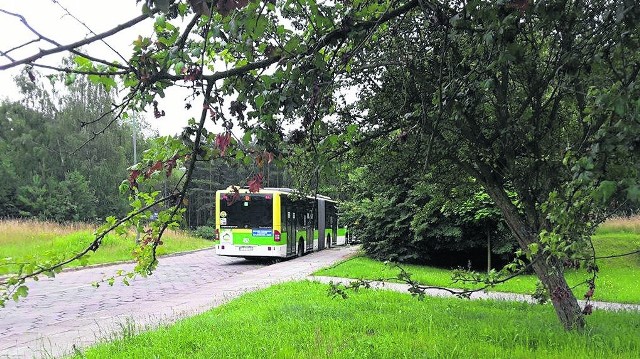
(206,232)
(423,225)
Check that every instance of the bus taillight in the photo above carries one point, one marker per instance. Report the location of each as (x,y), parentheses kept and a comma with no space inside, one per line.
(276,236)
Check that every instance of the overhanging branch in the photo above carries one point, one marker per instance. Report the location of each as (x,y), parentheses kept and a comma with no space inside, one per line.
(77,44)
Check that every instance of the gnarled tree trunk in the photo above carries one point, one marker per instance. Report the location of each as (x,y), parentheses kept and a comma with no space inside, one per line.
(551,274)
(549,270)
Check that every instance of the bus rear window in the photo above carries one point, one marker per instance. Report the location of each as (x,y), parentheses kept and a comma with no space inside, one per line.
(246,211)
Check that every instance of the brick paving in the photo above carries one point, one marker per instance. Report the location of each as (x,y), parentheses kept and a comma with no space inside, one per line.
(66,312)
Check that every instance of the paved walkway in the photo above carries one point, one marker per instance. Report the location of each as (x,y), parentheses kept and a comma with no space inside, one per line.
(68,311)
(401,287)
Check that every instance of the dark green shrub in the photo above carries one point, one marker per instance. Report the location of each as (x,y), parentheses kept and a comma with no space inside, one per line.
(426,226)
(205,232)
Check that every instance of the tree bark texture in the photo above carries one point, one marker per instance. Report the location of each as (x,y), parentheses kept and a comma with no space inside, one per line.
(549,269)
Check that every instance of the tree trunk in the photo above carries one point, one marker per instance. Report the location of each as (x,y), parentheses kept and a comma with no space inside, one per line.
(548,269)
(488,251)
(566,305)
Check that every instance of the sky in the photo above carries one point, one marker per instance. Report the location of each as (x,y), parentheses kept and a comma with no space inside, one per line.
(49,19)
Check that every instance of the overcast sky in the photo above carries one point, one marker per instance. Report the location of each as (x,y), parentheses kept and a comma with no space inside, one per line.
(49,19)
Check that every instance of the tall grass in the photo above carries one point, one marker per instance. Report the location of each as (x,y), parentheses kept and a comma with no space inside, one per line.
(37,241)
(620,224)
(17,230)
(299,320)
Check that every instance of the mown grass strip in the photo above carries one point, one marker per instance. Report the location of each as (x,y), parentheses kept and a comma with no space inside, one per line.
(618,279)
(299,320)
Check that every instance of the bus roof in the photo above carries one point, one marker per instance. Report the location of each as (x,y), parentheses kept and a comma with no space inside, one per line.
(274,190)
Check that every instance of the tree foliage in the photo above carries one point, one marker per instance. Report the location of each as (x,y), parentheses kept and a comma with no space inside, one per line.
(53,170)
(404,213)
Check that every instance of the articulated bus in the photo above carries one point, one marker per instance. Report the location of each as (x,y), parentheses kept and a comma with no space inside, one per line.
(273,223)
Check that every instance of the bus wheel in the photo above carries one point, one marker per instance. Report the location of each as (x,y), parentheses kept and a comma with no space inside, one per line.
(300,247)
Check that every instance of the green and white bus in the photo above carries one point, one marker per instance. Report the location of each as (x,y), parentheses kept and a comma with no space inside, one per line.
(273,223)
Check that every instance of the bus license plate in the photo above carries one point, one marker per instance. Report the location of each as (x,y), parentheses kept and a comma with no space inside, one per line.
(245,248)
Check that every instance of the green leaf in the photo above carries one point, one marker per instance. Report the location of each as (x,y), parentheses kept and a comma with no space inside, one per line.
(178,67)
(21,291)
(69,79)
(534,248)
(259,101)
(83,62)
(619,107)
(247,138)
(261,25)
(488,37)
(106,81)
(292,45)
(241,63)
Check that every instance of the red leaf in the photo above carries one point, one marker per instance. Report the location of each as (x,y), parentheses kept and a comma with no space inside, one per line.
(212,113)
(170,165)
(133,176)
(268,156)
(153,169)
(200,7)
(224,7)
(234,197)
(255,183)
(521,5)
(157,113)
(588,294)
(222,142)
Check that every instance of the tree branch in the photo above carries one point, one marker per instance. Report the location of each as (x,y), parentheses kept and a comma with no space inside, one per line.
(92,32)
(76,44)
(419,290)
(192,166)
(331,37)
(25,23)
(69,70)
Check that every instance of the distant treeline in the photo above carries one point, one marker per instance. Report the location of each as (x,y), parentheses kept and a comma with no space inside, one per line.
(58,162)
(63,159)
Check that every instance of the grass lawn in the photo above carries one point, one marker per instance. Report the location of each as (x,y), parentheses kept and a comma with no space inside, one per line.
(29,240)
(299,320)
(618,280)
